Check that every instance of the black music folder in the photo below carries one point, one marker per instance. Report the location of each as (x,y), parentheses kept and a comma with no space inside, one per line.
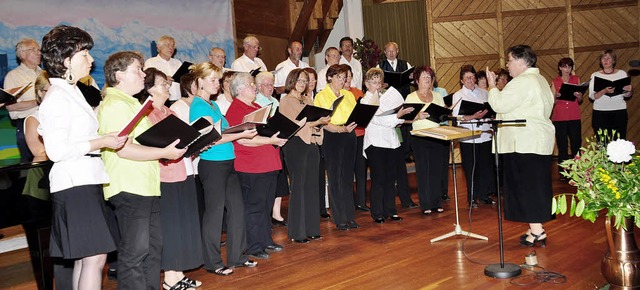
(198,136)
(448,100)
(600,84)
(566,91)
(182,70)
(362,115)
(436,113)
(470,108)
(409,116)
(10,96)
(313,113)
(280,123)
(398,79)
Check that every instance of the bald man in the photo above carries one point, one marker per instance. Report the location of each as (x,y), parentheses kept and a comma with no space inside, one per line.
(294,49)
(249,60)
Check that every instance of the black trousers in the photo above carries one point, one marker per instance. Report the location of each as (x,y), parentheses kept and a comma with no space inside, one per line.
(360,174)
(140,246)
(222,190)
(322,182)
(431,156)
(383,189)
(303,162)
(339,151)
(25,153)
(258,194)
(570,131)
(610,120)
(479,169)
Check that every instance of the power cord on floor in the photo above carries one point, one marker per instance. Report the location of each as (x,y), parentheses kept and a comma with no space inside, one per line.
(537,276)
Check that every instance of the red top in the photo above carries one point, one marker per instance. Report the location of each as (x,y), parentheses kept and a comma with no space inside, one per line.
(565,110)
(259,159)
(358,94)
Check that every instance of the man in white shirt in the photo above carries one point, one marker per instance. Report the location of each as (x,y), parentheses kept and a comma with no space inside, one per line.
(294,61)
(249,60)
(346,49)
(218,57)
(165,62)
(331,57)
(28,53)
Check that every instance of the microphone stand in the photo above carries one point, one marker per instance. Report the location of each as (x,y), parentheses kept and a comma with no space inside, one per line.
(501,270)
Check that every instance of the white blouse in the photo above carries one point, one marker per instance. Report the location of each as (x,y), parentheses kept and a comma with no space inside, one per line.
(381,131)
(67,124)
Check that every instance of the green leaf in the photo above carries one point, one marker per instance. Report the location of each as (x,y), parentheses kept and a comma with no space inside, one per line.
(573,206)
(580,208)
(554,205)
(562,204)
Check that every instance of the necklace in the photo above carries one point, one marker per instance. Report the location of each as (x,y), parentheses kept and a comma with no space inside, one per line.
(604,71)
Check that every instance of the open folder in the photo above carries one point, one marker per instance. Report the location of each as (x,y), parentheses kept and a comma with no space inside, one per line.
(437,113)
(144,111)
(362,115)
(567,91)
(470,108)
(600,84)
(313,113)
(10,96)
(197,136)
(398,79)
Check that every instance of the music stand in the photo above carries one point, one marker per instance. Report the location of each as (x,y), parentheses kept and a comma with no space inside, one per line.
(451,133)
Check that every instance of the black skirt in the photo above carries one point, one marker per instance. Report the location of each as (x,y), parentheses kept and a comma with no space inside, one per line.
(527,187)
(79,227)
(181,238)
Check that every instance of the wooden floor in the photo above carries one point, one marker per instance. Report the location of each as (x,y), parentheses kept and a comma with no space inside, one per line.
(400,255)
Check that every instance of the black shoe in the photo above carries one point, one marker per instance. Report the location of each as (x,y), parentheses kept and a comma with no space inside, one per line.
(274,248)
(445,197)
(353,224)
(488,200)
(303,241)
(276,222)
(411,205)
(395,218)
(379,220)
(325,215)
(314,237)
(536,239)
(362,208)
(112,274)
(260,255)
(342,227)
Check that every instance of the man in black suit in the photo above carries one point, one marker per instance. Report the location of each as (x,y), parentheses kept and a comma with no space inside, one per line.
(393,64)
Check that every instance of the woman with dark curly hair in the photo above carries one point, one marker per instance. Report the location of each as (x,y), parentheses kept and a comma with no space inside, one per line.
(69,129)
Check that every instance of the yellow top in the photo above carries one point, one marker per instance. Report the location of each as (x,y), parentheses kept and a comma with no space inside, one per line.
(325,98)
(136,177)
(425,123)
(528,96)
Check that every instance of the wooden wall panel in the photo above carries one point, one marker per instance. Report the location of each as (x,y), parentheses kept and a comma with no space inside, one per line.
(621,26)
(544,25)
(518,5)
(462,7)
(540,31)
(463,38)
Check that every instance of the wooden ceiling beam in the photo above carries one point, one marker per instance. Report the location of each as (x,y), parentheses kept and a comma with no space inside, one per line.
(303,19)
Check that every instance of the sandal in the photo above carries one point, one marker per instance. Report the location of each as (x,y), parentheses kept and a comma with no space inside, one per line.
(178,286)
(190,282)
(248,264)
(224,271)
(428,211)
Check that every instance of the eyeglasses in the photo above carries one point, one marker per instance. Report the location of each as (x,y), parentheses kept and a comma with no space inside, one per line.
(301,81)
(33,50)
(341,77)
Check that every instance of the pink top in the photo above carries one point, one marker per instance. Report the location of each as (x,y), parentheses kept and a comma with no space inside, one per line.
(565,110)
(172,170)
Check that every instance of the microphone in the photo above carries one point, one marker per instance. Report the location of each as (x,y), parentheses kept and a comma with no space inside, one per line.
(445,118)
(634,63)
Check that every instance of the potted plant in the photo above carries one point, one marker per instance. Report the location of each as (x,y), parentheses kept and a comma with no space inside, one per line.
(607,177)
